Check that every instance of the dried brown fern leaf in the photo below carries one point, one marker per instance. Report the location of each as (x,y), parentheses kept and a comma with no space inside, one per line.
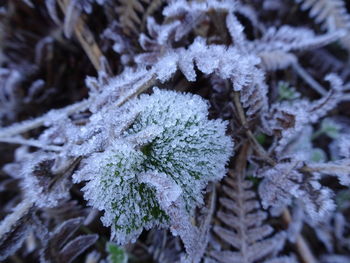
(130,14)
(152,7)
(84,35)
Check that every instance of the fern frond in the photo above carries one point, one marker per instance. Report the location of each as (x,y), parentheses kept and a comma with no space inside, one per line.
(331,14)
(129,14)
(289,38)
(241,226)
(277,59)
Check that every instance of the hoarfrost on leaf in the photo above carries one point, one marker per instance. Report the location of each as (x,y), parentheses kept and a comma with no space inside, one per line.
(168,152)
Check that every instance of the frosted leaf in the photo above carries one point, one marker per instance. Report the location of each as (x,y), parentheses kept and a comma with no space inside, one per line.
(287,118)
(340,147)
(276,59)
(178,8)
(164,157)
(279,185)
(186,65)
(287,38)
(286,121)
(38,175)
(284,182)
(129,205)
(321,107)
(339,168)
(236,30)
(227,63)
(116,87)
(166,66)
(317,201)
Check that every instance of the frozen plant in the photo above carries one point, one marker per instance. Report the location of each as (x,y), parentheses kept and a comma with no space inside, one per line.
(142,159)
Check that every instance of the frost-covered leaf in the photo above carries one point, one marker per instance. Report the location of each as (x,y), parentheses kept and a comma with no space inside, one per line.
(287,38)
(284,182)
(280,184)
(332,15)
(170,139)
(286,119)
(339,168)
(45,179)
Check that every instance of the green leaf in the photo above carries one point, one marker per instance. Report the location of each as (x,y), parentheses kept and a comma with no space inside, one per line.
(261,138)
(318,155)
(330,128)
(116,253)
(286,92)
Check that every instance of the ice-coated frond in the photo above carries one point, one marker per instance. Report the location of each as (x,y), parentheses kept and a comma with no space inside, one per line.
(40,178)
(277,59)
(284,182)
(339,168)
(177,8)
(317,200)
(287,38)
(287,118)
(275,46)
(332,14)
(280,184)
(167,152)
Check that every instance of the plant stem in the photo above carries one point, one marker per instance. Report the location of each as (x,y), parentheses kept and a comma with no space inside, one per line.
(301,244)
(34,143)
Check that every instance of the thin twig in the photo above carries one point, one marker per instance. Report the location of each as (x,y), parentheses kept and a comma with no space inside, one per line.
(308,79)
(30,142)
(24,126)
(79,106)
(144,85)
(301,244)
(257,146)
